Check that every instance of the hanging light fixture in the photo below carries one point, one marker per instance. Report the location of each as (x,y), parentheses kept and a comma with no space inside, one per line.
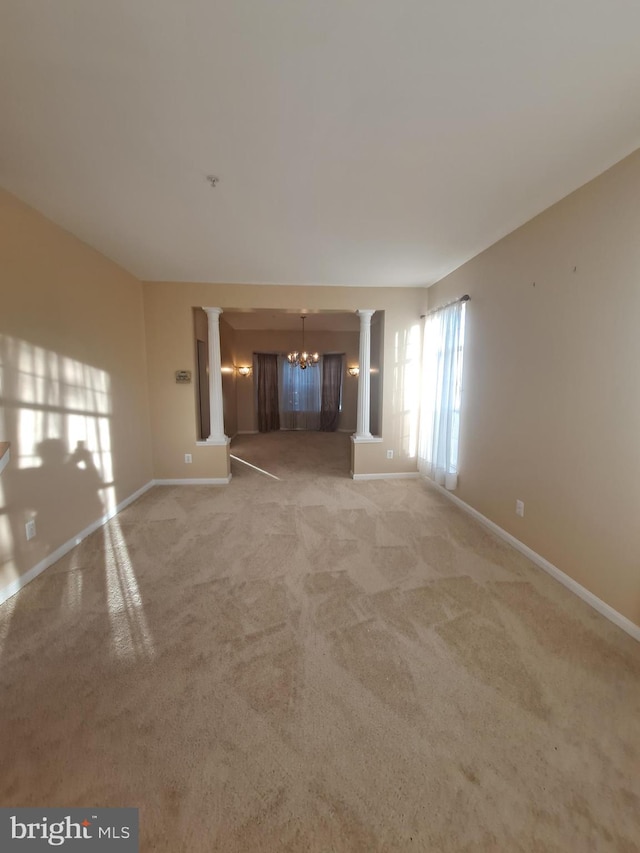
(303,359)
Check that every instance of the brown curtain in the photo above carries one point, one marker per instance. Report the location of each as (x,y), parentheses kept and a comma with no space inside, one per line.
(265,369)
(331,392)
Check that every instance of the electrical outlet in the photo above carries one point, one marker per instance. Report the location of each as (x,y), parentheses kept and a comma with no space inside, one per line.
(520,508)
(30,529)
(188,458)
(389,454)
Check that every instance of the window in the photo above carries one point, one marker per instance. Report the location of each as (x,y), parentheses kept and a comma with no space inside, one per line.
(300,395)
(443,348)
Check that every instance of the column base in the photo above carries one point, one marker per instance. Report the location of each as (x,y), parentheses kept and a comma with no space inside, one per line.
(365,439)
(214,442)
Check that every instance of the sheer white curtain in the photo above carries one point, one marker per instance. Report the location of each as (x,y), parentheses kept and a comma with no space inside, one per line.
(441,394)
(300,395)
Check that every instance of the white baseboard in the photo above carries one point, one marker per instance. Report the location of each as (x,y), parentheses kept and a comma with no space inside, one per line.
(400,475)
(598,604)
(52,558)
(195,481)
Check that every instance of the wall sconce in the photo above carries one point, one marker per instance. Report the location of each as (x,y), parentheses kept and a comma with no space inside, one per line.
(244,370)
(353,371)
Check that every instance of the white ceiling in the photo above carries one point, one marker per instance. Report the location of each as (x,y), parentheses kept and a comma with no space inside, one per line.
(366,142)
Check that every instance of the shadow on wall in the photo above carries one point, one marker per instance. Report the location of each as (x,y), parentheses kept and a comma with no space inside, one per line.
(56,413)
(68,479)
(406,390)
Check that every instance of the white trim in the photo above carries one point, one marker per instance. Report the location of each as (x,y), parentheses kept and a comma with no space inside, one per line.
(50,559)
(598,604)
(366,439)
(195,481)
(400,475)
(214,442)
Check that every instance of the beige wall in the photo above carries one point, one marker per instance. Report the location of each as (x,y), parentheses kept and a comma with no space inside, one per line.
(249,342)
(72,370)
(169,324)
(551,405)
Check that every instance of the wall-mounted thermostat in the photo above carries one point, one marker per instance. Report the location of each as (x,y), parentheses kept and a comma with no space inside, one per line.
(183,376)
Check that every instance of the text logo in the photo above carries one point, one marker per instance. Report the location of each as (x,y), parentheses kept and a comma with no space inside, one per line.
(34,830)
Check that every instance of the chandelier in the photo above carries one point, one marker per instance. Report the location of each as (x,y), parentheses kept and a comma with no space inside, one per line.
(303,359)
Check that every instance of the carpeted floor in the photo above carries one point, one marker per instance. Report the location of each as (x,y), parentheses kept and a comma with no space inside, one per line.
(313,664)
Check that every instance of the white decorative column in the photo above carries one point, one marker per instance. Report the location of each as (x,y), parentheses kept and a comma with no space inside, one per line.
(363,431)
(216,405)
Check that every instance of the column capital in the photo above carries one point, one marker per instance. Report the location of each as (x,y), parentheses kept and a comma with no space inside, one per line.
(363,313)
(211,311)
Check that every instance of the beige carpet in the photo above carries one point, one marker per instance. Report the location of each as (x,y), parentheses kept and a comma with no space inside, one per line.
(313,664)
